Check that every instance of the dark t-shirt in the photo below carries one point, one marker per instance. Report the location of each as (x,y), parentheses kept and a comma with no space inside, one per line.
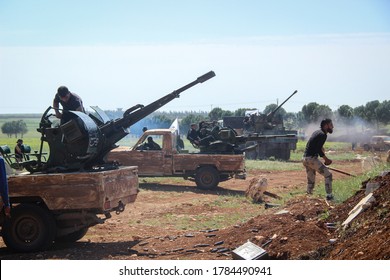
(73,103)
(192,135)
(315,144)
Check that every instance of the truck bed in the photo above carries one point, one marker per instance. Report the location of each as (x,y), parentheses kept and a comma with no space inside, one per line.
(101,190)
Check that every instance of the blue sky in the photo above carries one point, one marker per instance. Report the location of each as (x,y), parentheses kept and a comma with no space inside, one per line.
(115,54)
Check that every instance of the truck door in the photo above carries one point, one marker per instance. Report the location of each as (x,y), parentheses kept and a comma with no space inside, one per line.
(155,161)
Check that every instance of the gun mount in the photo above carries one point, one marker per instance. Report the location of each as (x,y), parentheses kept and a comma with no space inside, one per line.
(217,139)
(83,142)
(273,140)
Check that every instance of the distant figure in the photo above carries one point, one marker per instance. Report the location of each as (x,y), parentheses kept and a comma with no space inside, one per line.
(247,123)
(4,202)
(144,129)
(69,102)
(315,148)
(19,150)
(151,145)
(193,135)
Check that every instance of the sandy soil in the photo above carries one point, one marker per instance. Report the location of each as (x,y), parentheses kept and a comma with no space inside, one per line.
(296,230)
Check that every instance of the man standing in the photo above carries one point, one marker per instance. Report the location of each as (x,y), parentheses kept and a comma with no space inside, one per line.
(19,150)
(69,102)
(315,148)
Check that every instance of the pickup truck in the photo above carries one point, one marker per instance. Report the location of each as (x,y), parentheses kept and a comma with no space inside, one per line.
(60,207)
(207,170)
(377,143)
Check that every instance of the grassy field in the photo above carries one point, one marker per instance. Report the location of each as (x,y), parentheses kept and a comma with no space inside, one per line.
(31,138)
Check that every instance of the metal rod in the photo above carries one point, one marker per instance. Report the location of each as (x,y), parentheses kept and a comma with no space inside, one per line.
(342,172)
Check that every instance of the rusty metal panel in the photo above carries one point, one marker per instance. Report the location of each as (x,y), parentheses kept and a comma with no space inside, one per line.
(78,190)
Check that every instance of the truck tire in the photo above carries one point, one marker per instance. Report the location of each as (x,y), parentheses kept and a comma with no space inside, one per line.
(74,236)
(30,228)
(366,147)
(207,177)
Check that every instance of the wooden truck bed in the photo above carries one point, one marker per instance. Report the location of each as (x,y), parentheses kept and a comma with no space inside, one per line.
(224,163)
(101,190)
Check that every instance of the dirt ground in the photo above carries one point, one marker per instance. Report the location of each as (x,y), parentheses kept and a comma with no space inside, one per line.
(305,227)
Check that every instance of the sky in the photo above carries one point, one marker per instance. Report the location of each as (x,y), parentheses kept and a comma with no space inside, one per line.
(117,53)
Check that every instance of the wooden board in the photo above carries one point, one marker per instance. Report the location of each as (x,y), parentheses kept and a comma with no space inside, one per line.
(78,190)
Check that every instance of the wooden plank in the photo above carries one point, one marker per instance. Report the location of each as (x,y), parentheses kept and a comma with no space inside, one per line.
(358,209)
(77,190)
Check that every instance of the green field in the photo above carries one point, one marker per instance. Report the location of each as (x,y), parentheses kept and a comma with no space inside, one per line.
(338,150)
(31,138)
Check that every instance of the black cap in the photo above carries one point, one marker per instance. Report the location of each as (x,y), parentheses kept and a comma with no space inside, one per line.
(62,91)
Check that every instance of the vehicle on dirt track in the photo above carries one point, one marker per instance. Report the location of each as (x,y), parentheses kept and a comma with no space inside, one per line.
(377,143)
(207,170)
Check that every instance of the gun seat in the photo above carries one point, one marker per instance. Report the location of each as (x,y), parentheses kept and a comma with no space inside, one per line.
(7,155)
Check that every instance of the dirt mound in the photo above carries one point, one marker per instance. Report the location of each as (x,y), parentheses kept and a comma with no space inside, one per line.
(303,228)
(306,228)
(368,237)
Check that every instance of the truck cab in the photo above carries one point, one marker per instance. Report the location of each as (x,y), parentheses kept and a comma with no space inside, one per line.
(206,169)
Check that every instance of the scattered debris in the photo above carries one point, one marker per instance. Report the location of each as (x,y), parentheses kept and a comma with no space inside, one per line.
(201,245)
(358,209)
(256,189)
(270,205)
(272,195)
(281,212)
(249,251)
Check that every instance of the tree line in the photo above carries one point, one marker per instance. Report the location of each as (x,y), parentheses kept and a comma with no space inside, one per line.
(14,128)
(372,113)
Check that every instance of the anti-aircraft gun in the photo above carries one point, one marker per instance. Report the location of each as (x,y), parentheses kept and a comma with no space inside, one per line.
(262,123)
(217,139)
(267,132)
(83,142)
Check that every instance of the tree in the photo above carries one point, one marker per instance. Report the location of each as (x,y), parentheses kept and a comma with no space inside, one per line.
(308,112)
(360,112)
(241,111)
(14,128)
(186,122)
(22,127)
(217,114)
(382,112)
(323,112)
(370,111)
(270,108)
(345,112)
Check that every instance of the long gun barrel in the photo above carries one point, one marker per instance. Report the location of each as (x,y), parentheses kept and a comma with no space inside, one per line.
(115,129)
(83,142)
(270,115)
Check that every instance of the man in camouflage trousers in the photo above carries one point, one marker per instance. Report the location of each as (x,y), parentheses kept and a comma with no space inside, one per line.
(314,149)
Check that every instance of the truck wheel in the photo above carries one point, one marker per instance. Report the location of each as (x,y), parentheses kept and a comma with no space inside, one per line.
(206,177)
(30,228)
(74,236)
